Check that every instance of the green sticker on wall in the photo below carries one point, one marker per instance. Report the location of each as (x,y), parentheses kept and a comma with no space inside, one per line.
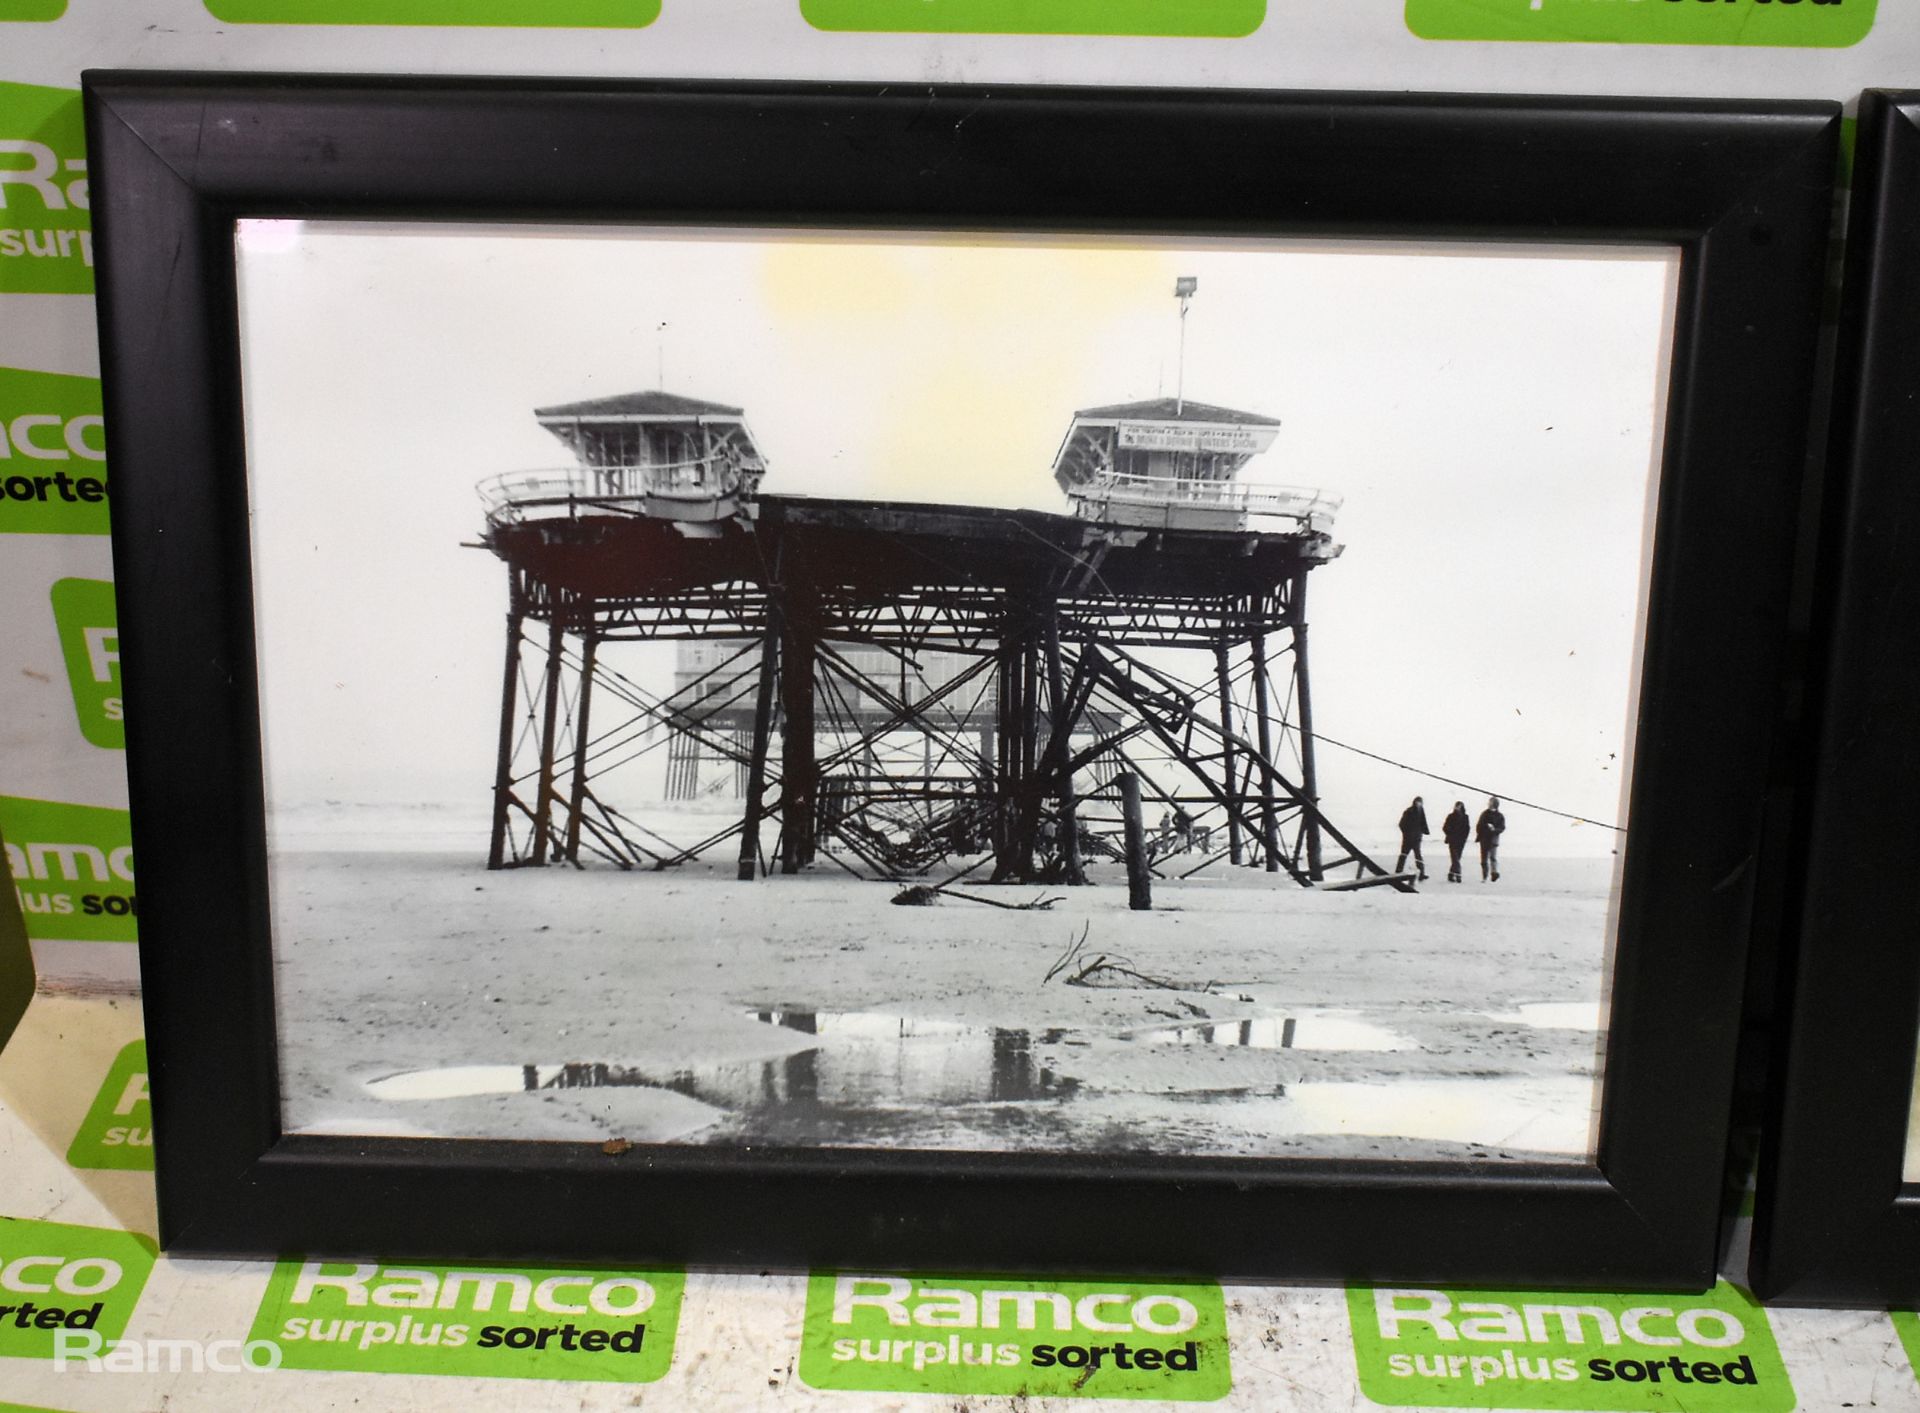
(118,1129)
(53,454)
(542,14)
(531,1322)
(1194,19)
(67,1288)
(967,1336)
(1490,1349)
(1793,24)
(31,10)
(89,629)
(72,868)
(46,235)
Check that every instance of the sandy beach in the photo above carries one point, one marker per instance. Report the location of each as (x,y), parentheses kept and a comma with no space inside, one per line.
(420,994)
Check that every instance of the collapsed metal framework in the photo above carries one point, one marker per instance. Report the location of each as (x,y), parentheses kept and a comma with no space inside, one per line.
(1069,632)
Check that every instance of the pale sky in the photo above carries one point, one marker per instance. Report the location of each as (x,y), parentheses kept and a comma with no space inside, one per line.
(1488,413)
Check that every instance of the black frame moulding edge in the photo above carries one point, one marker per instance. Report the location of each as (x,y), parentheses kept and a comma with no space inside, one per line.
(1833,1223)
(1743,188)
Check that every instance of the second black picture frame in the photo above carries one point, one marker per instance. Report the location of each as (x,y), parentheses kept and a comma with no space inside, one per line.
(1740,190)
(1837,1214)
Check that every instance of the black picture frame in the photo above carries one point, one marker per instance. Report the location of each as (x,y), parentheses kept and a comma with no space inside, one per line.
(1833,1222)
(1742,188)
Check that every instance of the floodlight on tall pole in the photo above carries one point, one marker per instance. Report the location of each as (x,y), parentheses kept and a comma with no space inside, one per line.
(1183,288)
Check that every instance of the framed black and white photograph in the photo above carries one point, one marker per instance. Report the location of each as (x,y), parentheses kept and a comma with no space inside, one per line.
(909,507)
(931,676)
(1837,1218)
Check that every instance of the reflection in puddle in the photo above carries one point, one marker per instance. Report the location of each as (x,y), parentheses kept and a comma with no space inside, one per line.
(864,1062)
(881,1028)
(861,1074)
(875,1061)
(1308,1032)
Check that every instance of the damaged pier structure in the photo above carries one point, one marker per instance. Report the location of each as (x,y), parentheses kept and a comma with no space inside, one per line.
(903,687)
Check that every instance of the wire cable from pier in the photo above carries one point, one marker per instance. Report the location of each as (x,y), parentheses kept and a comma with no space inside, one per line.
(1322,738)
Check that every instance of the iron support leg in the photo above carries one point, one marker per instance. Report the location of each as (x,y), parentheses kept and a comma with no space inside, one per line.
(543,808)
(1139,872)
(1027,817)
(1006,752)
(797,767)
(1069,818)
(1263,714)
(503,764)
(1303,695)
(757,760)
(577,795)
(1229,774)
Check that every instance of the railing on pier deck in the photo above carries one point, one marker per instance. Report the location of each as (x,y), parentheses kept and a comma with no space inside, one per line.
(1314,509)
(564,491)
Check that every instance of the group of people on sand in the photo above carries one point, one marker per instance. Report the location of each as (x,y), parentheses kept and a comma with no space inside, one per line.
(1486,832)
(1178,833)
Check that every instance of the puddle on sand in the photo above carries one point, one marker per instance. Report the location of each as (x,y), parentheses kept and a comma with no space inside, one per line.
(455,1082)
(1303,1032)
(876,1027)
(1554,1015)
(861,1062)
(871,1060)
(1545,1115)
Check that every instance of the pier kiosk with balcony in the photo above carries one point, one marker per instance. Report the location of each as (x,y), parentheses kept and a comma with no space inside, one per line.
(647,453)
(1175,464)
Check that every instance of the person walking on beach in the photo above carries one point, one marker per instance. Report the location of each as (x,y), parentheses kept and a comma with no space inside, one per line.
(1487,830)
(1413,828)
(1454,829)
